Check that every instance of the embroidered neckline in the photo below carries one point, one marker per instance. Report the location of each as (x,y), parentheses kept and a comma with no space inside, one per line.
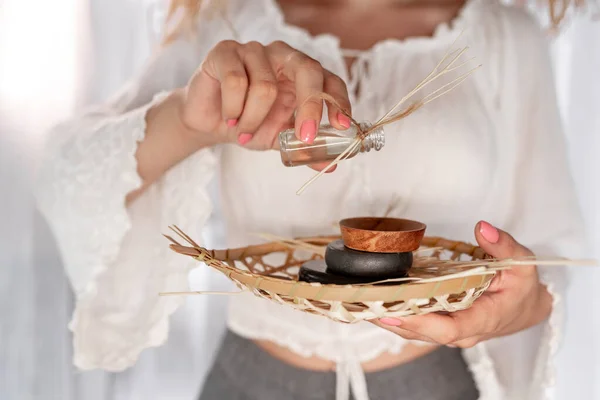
(443,32)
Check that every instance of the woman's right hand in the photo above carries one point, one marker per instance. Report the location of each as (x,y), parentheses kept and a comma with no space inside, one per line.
(248,93)
(244,93)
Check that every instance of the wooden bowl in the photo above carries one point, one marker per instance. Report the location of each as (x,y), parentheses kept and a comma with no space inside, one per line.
(382,235)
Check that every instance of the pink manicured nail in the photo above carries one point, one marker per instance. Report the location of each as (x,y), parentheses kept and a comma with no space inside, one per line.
(232,122)
(488,232)
(390,321)
(308,131)
(331,169)
(244,138)
(343,120)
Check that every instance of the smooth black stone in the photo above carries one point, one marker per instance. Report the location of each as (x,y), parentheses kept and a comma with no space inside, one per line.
(344,261)
(316,271)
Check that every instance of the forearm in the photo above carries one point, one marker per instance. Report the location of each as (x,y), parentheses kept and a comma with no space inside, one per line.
(167,142)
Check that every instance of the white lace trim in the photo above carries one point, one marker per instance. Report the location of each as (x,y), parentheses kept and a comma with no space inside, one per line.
(481,366)
(443,32)
(188,206)
(126,180)
(85,206)
(128,129)
(551,338)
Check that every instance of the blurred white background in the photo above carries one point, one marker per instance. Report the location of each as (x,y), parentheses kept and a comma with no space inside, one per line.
(56,56)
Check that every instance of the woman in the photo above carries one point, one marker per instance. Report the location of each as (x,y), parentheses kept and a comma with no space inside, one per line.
(492,150)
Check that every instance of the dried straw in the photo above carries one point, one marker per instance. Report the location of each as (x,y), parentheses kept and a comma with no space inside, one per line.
(491,264)
(448,64)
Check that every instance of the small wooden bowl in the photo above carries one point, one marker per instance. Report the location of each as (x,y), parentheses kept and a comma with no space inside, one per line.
(382,235)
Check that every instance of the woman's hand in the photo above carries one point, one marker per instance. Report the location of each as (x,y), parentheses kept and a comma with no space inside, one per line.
(248,93)
(515,300)
(244,93)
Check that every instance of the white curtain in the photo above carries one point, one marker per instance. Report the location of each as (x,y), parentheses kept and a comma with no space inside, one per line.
(55,57)
(577,60)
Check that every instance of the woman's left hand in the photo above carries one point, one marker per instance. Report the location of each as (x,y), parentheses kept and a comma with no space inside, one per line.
(515,300)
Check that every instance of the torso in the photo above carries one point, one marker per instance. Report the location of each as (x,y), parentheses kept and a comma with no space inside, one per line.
(381,19)
(410,169)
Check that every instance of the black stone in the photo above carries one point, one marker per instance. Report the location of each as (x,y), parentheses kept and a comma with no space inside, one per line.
(344,261)
(316,271)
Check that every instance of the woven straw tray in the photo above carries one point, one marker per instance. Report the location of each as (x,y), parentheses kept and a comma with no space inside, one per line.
(445,277)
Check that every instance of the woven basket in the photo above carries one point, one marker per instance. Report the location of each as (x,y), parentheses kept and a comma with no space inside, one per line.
(444,277)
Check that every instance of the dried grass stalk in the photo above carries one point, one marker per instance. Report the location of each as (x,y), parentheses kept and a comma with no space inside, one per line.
(451,61)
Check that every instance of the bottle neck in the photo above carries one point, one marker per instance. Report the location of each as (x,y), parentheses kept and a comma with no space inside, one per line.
(374,140)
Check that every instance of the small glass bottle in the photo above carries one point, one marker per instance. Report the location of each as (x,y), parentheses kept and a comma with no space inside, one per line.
(328,145)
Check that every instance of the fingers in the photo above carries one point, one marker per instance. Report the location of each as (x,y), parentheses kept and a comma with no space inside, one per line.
(225,65)
(262,90)
(439,328)
(336,87)
(281,117)
(243,92)
(322,166)
(498,243)
(479,320)
(497,312)
(310,79)
(402,332)
(410,335)
(248,86)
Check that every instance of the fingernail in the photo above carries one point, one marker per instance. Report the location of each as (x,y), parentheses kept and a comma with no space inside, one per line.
(391,321)
(308,131)
(331,169)
(488,232)
(232,122)
(451,346)
(244,138)
(343,120)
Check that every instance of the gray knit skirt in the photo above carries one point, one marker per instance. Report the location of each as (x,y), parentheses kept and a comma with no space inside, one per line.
(243,371)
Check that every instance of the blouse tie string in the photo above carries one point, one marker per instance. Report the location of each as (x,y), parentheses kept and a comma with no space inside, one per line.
(350,376)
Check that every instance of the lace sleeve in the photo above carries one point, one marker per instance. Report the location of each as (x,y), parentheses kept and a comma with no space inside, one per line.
(544,212)
(548,218)
(114,256)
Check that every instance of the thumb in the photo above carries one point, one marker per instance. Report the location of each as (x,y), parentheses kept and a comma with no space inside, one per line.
(498,243)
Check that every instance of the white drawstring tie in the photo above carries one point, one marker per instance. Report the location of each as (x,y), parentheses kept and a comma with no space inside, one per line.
(350,376)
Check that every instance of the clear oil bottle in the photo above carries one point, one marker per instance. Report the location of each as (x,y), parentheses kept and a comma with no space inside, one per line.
(328,145)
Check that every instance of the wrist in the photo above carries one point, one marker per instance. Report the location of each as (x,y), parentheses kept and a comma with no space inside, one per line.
(191,137)
(170,110)
(167,140)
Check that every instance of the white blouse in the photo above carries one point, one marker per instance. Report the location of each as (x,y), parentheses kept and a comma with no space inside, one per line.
(492,149)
